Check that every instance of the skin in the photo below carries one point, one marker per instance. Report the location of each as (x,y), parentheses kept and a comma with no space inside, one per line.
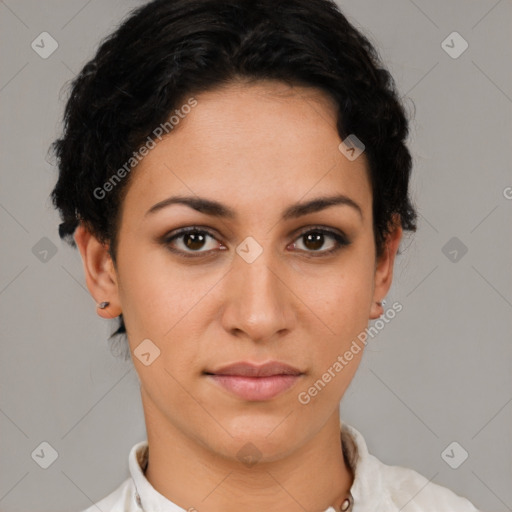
(257,149)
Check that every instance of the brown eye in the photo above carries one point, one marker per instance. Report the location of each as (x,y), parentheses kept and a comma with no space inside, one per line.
(314,239)
(194,241)
(188,241)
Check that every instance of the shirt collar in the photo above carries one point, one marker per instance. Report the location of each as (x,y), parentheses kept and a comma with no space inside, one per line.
(367,488)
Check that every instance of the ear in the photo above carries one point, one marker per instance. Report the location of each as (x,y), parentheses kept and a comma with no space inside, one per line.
(100,273)
(384,268)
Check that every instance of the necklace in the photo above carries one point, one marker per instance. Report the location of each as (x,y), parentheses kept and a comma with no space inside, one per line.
(346,505)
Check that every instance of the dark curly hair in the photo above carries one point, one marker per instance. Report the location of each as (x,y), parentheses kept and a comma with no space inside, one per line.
(168,49)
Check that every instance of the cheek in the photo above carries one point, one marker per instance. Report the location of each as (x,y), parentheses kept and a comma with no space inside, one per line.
(335,350)
(171,305)
(151,290)
(343,298)
(162,303)
(343,304)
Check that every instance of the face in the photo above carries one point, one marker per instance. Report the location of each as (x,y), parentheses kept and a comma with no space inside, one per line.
(266,283)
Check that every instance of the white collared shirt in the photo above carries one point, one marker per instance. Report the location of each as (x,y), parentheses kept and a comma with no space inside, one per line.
(377,487)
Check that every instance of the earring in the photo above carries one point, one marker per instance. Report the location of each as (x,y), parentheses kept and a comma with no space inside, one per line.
(103,305)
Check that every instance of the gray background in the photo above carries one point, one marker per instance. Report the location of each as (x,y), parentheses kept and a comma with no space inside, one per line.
(440,372)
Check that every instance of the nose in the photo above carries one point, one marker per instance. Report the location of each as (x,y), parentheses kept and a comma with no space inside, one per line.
(259,303)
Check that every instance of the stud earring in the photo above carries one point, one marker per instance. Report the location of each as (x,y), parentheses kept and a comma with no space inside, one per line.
(103,305)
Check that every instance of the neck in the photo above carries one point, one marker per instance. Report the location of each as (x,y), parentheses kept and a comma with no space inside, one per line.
(313,477)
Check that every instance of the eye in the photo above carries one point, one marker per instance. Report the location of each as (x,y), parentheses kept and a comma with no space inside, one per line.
(188,242)
(313,239)
(191,240)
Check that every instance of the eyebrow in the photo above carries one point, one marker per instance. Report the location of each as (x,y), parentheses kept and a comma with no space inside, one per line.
(216,209)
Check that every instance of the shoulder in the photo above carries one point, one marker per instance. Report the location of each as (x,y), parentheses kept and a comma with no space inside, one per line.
(381,487)
(413,492)
(120,500)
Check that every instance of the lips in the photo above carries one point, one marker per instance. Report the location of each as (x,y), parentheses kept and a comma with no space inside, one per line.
(244,369)
(255,382)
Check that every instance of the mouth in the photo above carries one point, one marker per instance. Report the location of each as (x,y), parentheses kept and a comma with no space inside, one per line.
(255,382)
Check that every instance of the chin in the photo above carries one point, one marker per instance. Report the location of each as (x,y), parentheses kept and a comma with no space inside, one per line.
(267,437)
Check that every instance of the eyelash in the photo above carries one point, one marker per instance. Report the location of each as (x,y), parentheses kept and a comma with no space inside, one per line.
(341,241)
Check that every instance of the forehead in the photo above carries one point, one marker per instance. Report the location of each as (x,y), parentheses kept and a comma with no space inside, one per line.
(244,144)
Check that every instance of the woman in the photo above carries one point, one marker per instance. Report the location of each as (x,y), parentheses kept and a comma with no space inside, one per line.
(235,176)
